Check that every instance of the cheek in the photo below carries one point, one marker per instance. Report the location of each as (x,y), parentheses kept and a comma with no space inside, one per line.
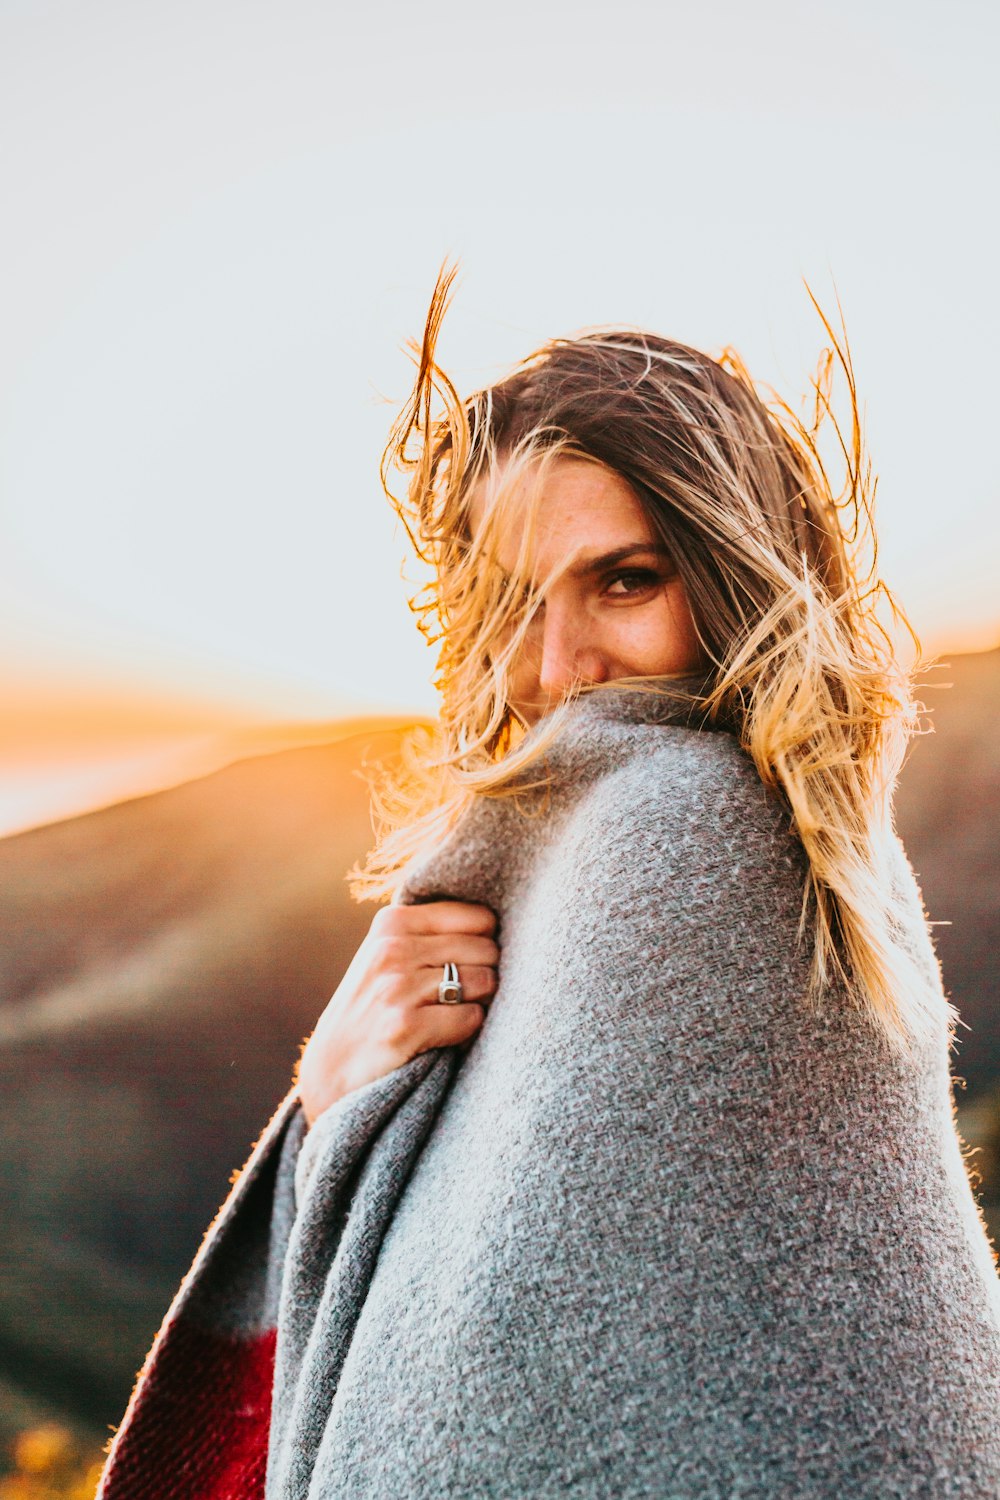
(691,652)
(522,669)
(660,638)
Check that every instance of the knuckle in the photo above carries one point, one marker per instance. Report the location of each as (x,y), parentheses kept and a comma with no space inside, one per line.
(389,921)
(390,952)
(395,951)
(395,991)
(397,1023)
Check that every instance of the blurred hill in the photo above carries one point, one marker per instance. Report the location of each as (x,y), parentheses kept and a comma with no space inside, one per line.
(948,816)
(164,958)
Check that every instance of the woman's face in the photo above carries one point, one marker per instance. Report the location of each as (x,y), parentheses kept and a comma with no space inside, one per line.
(617,608)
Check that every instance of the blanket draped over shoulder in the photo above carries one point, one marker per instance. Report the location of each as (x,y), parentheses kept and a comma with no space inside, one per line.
(659,1230)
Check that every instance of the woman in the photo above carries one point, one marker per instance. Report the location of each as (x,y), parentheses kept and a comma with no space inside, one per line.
(623,1160)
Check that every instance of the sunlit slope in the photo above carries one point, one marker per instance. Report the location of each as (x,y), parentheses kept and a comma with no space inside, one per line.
(67,748)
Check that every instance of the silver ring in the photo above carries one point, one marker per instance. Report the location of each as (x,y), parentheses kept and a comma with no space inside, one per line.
(450,988)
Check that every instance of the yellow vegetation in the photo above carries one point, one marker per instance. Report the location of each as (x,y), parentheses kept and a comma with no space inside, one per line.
(49,1463)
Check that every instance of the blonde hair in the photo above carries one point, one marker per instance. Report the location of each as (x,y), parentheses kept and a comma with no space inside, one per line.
(780,573)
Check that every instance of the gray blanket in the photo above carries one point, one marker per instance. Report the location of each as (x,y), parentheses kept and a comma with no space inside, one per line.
(659,1231)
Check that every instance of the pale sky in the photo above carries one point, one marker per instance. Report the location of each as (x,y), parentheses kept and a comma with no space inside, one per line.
(222,220)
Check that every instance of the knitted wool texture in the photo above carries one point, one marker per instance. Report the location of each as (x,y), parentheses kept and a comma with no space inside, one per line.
(658,1231)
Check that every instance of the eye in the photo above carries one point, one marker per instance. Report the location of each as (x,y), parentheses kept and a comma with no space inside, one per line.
(628,582)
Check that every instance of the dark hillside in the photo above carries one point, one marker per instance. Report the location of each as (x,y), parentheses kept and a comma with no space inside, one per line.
(164,959)
(948,816)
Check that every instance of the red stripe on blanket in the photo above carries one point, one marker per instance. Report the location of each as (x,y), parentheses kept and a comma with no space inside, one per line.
(201,1433)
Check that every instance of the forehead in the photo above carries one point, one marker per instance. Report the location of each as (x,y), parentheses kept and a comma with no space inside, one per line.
(574,508)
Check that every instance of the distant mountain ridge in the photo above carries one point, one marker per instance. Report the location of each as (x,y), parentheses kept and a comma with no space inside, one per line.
(67,771)
(165,957)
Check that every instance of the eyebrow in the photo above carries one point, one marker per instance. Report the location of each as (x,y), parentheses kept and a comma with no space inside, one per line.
(619,554)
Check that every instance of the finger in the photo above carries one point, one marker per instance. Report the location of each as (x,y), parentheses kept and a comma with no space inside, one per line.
(434,950)
(447,916)
(478,982)
(449,1025)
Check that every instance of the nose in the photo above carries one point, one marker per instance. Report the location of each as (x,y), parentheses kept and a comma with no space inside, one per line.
(568,657)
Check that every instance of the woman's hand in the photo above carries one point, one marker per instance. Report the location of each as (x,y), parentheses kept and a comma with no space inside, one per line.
(386,1008)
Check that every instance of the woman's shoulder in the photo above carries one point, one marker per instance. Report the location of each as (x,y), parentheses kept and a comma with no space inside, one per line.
(697,784)
(678,819)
